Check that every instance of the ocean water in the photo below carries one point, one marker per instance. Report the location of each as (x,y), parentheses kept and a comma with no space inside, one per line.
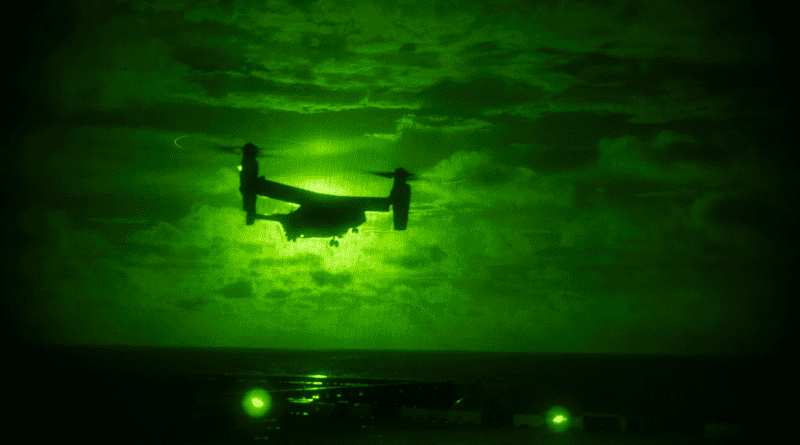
(714,388)
(661,393)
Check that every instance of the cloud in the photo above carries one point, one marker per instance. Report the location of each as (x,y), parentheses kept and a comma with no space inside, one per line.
(739,220)
(51,230)
(193,304)
(666,138)
(552,273)
(421,257)
(224,180)
(628,157)
(324,278)
(453,167)
(480,169)
(475,178)
(205,223)
(275,299)
(161,233)
(240,289)
(63,262)
(307,259)
(624,155)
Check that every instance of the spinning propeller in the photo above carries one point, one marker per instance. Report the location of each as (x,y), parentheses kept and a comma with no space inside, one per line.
(403,174)
(400,173)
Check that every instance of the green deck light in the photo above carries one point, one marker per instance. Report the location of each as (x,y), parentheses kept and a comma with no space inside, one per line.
(256,402)
(558,419)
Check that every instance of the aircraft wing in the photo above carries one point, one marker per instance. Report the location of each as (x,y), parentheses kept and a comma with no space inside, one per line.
(283,192)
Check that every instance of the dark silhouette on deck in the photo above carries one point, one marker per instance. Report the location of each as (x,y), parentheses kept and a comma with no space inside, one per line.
(320,215)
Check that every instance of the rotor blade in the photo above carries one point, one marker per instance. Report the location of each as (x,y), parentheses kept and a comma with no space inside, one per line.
(410,177)
(238,150)
(228,149)
(382,174)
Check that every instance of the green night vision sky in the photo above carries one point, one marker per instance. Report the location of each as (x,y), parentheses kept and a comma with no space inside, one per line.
(601,176)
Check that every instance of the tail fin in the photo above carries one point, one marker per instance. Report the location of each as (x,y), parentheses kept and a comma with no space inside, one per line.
(401,200)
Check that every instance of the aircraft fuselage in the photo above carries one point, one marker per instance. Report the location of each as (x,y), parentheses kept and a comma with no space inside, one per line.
(319,215)
(310,221)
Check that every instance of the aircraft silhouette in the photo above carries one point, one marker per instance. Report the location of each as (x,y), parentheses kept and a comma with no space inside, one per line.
(320,215)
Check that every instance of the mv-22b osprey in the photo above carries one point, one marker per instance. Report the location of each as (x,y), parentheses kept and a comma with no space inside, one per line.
(320,215)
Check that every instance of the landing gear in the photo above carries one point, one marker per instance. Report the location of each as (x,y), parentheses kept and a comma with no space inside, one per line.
(334,243)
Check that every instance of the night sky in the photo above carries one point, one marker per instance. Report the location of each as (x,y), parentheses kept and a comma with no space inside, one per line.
(601,176)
